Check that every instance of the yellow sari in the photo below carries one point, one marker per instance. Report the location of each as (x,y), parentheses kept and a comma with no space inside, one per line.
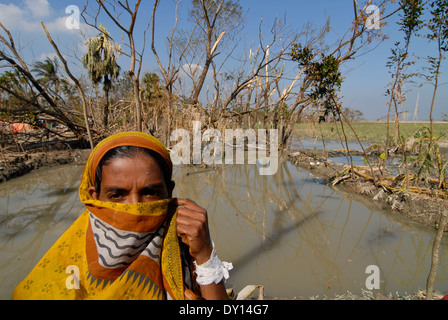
(114,250)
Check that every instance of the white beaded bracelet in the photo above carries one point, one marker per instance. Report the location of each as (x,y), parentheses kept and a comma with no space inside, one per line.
(212,271)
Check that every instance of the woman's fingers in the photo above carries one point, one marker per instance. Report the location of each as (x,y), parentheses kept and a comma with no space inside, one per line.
(192,227)
(190,204)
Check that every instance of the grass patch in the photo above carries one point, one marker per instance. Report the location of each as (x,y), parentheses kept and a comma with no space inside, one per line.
(367,131)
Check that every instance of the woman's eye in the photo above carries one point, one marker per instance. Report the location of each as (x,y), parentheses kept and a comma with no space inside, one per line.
(151,193)
(116,197)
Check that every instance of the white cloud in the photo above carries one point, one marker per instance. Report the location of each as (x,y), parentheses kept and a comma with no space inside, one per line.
(26,19)
(14,18)
(23,19)
(192,70)
(57,25)
(44,56)
(38,8)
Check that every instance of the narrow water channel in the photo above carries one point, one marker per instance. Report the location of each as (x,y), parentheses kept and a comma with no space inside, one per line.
(289,232)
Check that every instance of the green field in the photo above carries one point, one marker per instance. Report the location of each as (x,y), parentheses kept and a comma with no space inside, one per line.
(367,131)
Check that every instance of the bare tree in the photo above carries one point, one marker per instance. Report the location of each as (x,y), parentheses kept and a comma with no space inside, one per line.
(77,84)
(267,83)
(304,83)
(217,21)
(41,100)
(114,11)
(170,72)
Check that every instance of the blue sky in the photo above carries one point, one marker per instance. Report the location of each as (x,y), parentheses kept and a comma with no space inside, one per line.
(366,79)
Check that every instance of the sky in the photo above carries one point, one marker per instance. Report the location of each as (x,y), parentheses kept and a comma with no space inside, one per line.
(366,77)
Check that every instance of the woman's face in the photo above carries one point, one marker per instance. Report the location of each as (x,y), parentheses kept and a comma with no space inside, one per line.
(130,180)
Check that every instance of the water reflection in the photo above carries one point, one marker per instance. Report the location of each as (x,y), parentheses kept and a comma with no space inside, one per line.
(287,232)
(34,211)
(300,238)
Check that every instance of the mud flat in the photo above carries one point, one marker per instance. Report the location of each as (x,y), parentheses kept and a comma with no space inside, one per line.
(421,205)
(15,164)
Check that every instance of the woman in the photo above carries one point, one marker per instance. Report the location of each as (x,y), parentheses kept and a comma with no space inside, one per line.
(125,245)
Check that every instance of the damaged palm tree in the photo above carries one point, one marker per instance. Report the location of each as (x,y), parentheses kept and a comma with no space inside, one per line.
(101,64)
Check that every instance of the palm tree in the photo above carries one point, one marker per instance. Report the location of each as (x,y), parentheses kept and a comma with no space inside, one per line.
(47,73)
(12,80)
(101,64)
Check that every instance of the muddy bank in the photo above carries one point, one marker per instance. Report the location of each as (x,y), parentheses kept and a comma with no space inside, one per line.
(422,209)
(15,164)
(23,152)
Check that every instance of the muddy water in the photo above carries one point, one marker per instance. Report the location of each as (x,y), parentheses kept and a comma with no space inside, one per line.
(288,232)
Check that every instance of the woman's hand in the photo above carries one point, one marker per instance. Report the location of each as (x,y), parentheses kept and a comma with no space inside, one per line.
(192,227)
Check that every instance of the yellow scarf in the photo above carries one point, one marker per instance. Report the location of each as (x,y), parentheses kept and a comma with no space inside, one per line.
(113,250)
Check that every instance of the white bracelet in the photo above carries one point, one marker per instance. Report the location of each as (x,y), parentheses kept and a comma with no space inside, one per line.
(213,270)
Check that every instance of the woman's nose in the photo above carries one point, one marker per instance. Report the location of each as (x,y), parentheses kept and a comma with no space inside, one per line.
(134,198)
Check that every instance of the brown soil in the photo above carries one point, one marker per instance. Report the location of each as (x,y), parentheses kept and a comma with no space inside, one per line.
(20,163)
(27,152)
(422,208)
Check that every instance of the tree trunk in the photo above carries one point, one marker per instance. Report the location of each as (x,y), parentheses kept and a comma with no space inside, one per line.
(77,83)
(138,104)
(201,81)
(106,106)
(435,255)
